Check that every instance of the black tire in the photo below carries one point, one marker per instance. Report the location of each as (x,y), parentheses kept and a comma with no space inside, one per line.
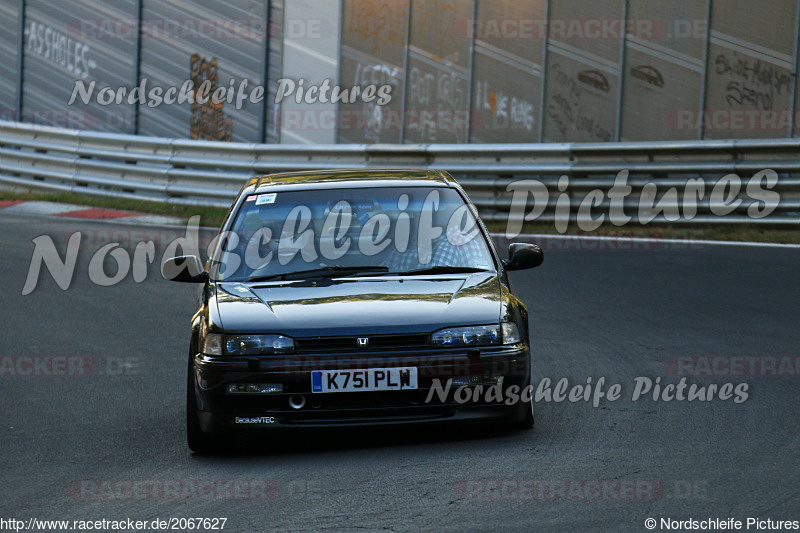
(525,420)
(198,440)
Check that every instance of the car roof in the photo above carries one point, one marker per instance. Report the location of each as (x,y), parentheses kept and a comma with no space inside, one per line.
(349,178)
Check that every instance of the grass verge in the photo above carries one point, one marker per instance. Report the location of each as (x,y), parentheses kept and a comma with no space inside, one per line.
(768,233)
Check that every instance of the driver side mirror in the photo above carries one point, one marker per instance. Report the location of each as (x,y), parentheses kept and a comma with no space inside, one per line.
(184,268)
(522,256)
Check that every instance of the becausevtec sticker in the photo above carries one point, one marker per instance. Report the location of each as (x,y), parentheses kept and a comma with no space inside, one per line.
(254,420)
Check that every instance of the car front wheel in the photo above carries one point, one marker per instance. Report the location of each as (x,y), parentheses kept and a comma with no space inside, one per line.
(526,416)
(198,440)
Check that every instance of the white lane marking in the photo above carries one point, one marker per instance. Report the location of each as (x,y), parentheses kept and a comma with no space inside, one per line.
(154,220)
(43,208)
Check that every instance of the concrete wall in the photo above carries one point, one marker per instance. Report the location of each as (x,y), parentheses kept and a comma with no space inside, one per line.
(480,71)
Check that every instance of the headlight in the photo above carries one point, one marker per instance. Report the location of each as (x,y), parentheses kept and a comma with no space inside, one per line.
(258,344)
(505,333)
(467,336)
(218,344)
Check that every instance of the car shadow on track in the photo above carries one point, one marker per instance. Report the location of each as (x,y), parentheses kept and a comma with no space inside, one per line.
(308,441)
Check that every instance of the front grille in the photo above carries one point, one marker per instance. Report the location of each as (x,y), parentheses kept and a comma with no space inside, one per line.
(350,343)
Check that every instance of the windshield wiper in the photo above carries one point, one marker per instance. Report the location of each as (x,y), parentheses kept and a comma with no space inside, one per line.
(442,269)
(321,272)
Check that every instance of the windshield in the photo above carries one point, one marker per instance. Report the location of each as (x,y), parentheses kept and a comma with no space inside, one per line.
(351,231)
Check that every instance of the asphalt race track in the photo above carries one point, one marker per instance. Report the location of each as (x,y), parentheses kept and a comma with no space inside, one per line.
(106,441)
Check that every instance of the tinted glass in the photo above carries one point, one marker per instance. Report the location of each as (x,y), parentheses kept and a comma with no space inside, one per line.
(399,228)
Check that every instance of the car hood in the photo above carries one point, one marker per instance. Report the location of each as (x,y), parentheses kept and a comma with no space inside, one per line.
(351,306)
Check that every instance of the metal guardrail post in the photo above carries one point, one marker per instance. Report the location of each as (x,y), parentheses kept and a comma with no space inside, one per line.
(20,57)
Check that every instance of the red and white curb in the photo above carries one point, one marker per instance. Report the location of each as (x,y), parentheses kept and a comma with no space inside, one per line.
(83,212)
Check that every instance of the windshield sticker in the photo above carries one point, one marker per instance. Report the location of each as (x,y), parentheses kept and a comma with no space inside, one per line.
(250,198)
(266,198)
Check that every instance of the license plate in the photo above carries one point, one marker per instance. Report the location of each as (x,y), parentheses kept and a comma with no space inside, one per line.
(373,379)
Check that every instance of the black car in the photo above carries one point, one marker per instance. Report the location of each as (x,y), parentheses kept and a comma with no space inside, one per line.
(340,298)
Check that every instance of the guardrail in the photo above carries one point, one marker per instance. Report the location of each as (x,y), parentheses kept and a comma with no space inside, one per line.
(210,173)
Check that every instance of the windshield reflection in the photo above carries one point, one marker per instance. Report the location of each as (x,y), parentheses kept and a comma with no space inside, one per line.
(393,229)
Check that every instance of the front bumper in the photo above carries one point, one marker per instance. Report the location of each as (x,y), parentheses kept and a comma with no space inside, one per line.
(221,412)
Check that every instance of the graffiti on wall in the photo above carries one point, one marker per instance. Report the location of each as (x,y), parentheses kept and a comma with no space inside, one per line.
(436,26)
(378,118)
(376,23)
(438,102)
(649,75)
(60,49)
(566,107)
(505,111)
(751,83)
(208,120)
